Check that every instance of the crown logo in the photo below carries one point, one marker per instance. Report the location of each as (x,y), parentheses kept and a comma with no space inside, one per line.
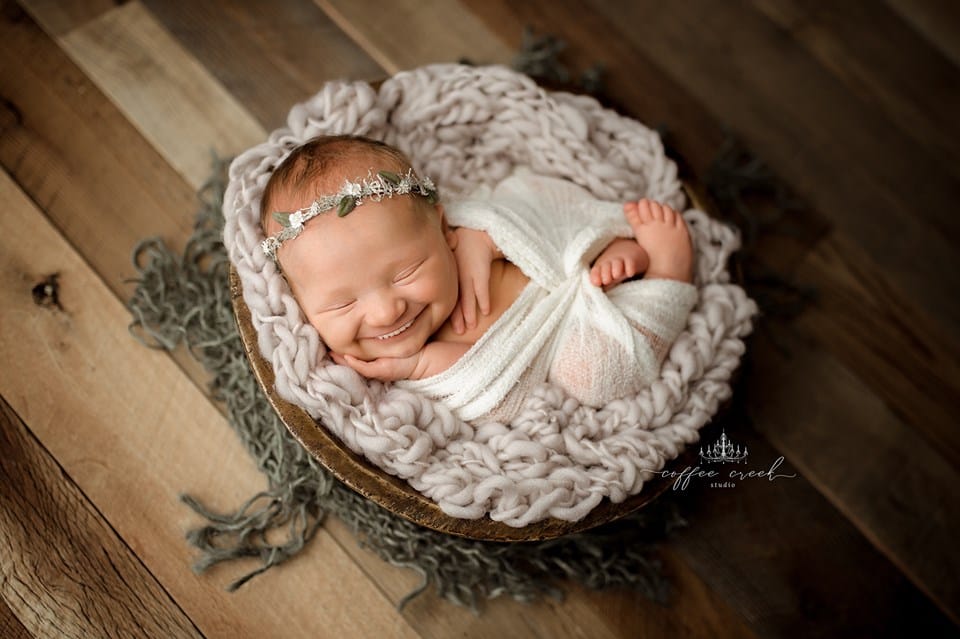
(723,451)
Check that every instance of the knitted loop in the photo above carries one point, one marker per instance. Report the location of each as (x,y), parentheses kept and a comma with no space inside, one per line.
(556,458)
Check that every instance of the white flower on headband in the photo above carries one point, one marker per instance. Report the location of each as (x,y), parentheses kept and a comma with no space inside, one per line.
(350,196)
(353,189)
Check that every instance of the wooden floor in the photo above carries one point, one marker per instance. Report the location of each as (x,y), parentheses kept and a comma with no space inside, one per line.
(108,116)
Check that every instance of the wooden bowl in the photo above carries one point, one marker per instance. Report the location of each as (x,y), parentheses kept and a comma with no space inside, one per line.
(398,496)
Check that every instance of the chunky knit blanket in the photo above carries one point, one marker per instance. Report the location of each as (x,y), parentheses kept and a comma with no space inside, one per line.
(465,126)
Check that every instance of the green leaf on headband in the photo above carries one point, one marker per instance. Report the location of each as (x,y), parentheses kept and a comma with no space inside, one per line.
(347,204)
(390,177)
(282,218)
(432,197)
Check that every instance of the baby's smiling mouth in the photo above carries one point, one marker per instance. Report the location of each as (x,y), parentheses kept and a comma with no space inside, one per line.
(398,331)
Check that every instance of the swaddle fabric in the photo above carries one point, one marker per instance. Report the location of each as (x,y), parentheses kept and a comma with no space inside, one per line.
(596,346)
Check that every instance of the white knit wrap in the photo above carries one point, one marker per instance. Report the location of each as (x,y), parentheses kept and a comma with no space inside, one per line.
(597,346)
(463,125)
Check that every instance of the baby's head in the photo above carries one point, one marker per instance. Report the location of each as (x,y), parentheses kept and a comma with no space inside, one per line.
(378,280)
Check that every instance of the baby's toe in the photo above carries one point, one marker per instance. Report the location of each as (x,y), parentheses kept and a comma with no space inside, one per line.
(656,211)
(669,215)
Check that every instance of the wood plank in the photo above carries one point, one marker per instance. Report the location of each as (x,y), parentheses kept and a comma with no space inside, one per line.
(63,568)
(886,64)
(59,16)
(937,20)
(88,393)
(894,487)
(793,566)
(79,158)
(908,362)
(413,33)
(269,56)
(840,153)
(184,113)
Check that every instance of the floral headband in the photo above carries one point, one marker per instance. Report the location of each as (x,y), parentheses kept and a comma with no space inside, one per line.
(351,195)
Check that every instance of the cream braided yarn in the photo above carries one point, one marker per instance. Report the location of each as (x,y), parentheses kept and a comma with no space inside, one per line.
(463,125)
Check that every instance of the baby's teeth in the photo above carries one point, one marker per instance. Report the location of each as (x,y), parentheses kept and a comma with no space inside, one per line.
(398,331)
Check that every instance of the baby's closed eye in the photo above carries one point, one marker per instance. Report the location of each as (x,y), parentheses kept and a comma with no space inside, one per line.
(407,274)
(336,306)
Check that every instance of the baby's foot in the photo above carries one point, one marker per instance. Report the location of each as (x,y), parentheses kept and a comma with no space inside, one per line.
(621,260)
(663,234)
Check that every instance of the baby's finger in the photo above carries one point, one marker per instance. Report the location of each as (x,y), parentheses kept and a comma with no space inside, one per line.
(605,273)
(595,276)
(483,298)
(468,303)
(377,369)
(456,320)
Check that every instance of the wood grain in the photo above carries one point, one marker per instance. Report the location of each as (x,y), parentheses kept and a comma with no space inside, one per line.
(907,360)
(937,20)
(59,16)
(433,31)
(631,83)
(163,91)
(82,579)
(900,495)
(787,561)
(10,625)
(79,158)
(268,56)
(89,393)
(886,66)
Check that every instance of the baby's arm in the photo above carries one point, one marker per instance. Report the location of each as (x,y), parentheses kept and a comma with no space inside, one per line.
(474,253)
(433,358)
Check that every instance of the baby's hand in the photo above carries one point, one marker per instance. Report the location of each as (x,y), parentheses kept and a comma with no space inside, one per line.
(474,253)
(386,369)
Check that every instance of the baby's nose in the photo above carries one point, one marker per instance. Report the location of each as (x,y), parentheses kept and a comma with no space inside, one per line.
(386,309)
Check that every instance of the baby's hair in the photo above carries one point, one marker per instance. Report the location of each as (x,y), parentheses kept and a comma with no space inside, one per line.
(320,156)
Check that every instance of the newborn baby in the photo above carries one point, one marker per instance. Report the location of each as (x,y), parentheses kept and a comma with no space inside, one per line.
(398,293)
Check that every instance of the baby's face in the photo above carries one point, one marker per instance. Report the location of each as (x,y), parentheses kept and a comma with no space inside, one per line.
(377,282)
